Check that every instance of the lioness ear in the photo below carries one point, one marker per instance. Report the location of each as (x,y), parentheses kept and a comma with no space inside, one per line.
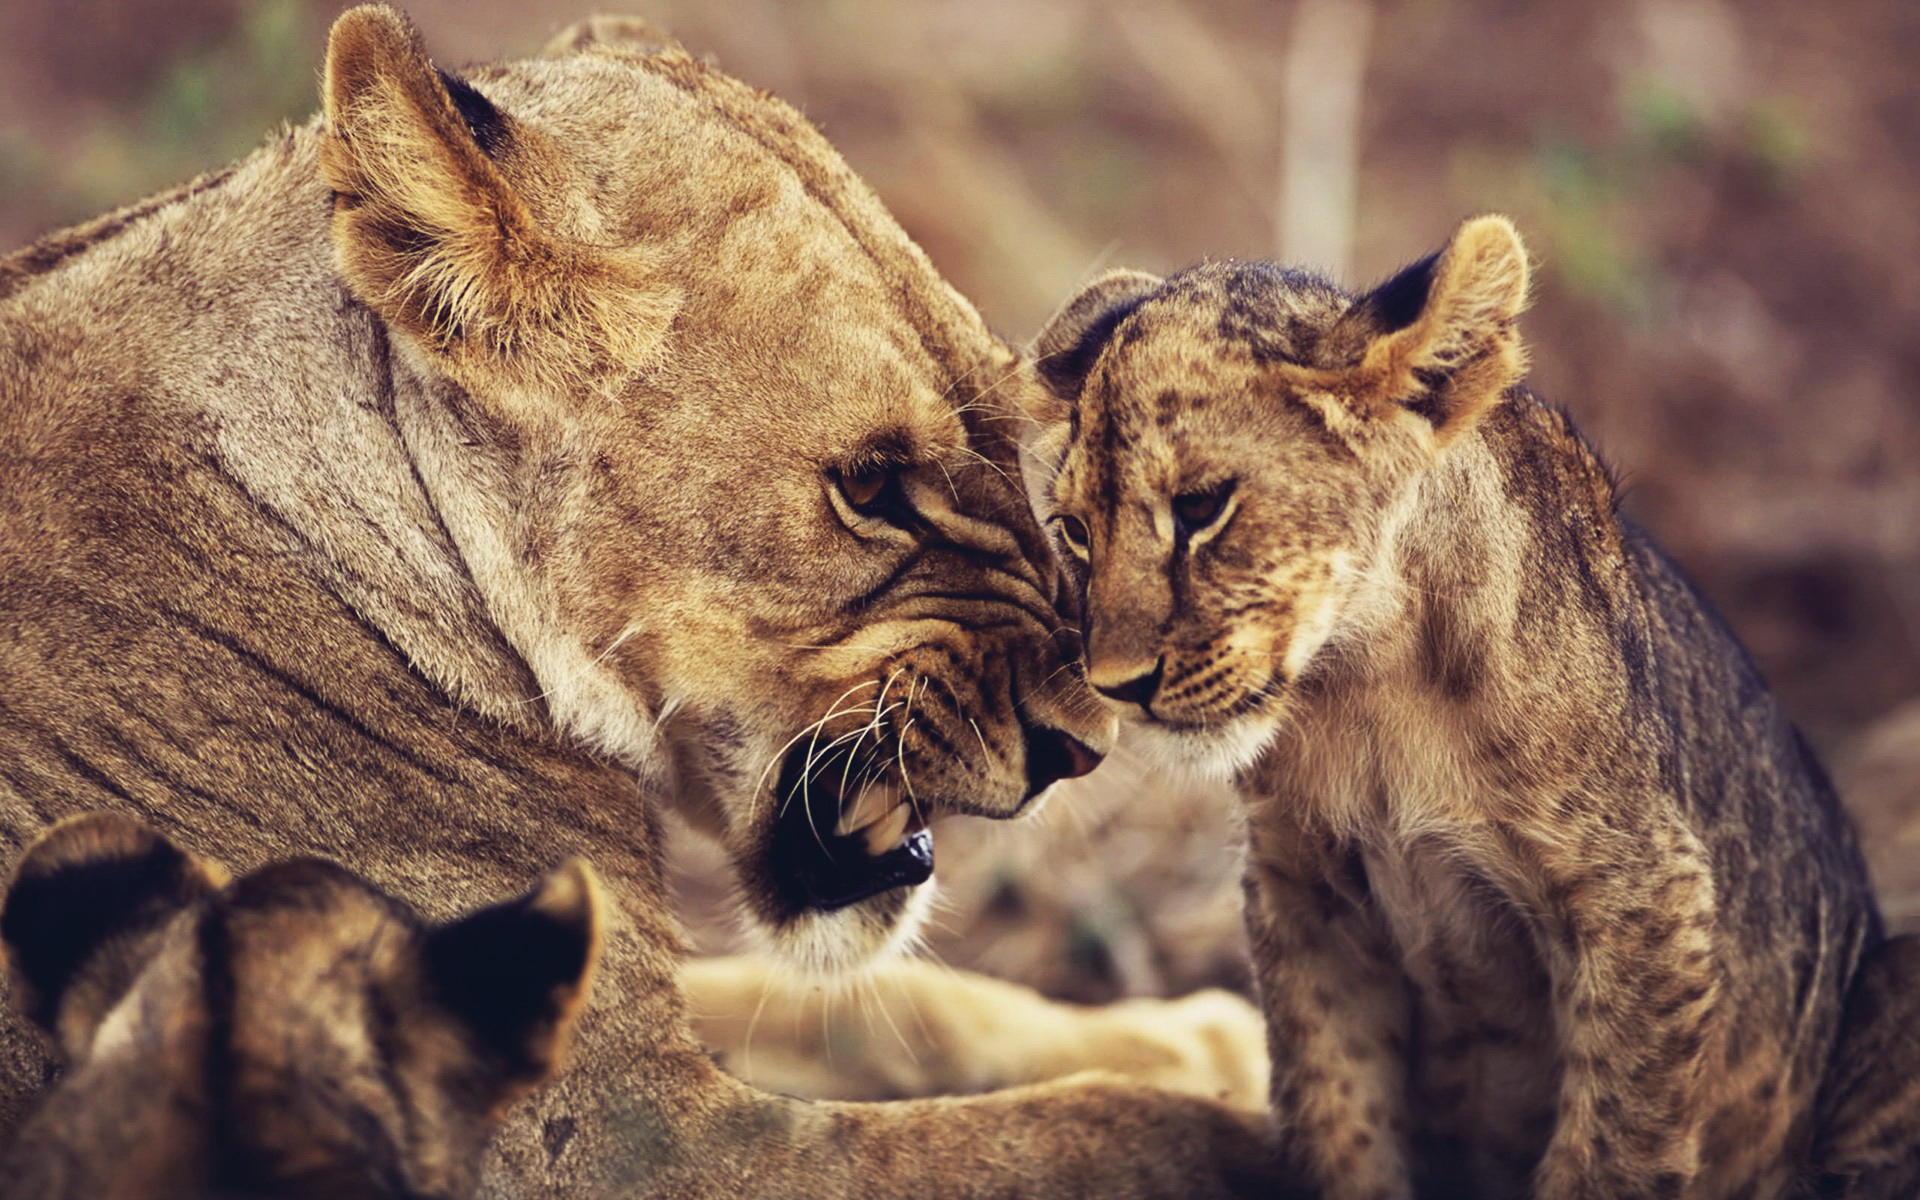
(1439,336)
(79,913)
(636,34)
(429,231)
(1072,339)
(515,974)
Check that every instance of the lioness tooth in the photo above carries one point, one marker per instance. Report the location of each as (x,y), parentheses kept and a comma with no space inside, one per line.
(884,834)
(874,801)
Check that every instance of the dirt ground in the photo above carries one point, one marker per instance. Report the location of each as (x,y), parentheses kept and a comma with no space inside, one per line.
(1721,197)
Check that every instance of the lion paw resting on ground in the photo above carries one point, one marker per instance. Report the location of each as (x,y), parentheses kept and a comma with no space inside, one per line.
(294,1033)
(914,1028)
(1546,896)
(464,477)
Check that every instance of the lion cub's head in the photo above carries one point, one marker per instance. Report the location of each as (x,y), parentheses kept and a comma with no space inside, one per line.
(1231,444)
(727,458)
(295,1032)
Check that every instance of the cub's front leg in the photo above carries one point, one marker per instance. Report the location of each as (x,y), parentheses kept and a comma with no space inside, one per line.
(1635,985)
(1337,1016)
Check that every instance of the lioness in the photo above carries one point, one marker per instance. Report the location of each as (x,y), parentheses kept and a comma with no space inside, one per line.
(295,1033)
(468,473)
(1546,896)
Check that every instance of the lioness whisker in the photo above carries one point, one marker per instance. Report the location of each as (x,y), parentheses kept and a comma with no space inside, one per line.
(812,729)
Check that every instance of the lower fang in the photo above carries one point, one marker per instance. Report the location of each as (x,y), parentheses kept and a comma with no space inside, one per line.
(884,834)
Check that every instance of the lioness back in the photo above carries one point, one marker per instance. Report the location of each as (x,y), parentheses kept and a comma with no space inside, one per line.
(294,1033)
(1547,897)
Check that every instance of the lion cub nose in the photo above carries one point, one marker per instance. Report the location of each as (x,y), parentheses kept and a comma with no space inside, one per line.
(1053,755)
(1138,689)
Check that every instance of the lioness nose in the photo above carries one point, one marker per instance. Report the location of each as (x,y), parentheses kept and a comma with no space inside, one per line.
(1138,690)
(1053,756)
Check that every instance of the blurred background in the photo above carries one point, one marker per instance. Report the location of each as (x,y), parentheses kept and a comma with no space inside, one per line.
(1724,200)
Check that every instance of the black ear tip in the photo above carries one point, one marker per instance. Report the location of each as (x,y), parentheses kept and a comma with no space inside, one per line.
(485,122)
(1398,302)
(513,973)
(84,882)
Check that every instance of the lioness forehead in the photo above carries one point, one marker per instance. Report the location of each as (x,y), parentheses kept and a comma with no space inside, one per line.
(774,242)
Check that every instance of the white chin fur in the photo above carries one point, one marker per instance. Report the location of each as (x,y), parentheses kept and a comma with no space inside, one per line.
(831,943)
(1216,754)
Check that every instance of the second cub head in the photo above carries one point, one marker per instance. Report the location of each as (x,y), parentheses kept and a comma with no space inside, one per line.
(296,1032)
(1223,449)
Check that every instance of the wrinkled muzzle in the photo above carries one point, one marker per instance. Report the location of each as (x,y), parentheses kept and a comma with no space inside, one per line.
(856,796)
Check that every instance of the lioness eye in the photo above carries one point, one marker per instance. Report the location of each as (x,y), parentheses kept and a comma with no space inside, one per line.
(866,490)
(1074,531)
(1194,511)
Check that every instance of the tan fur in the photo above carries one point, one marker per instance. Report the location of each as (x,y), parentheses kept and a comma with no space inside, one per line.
(1546,897)
(297,1033)
(913,1028)
(465,475)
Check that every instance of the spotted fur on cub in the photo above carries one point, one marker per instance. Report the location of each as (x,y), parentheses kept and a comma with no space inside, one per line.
(294,1033)
(1547,897)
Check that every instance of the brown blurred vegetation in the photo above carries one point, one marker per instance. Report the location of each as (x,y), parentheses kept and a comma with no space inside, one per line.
(1722,197)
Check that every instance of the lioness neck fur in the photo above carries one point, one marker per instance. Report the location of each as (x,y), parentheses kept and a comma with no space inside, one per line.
(294,1033)
(1546,896)
(468,473)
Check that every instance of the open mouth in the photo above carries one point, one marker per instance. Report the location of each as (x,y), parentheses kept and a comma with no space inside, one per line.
(847,830)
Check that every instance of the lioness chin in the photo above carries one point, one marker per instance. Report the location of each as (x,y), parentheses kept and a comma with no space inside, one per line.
(471,471)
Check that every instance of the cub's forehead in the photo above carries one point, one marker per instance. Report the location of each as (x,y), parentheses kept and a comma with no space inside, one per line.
(1208,337)
(1253,312)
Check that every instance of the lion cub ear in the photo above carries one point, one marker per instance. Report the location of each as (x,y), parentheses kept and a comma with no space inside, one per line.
(430,232)
(1439,336)
(1072,339)
(82,914)
(515,974)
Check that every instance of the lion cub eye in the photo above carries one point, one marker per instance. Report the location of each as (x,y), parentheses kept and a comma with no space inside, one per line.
(1194,511)
(1073,531)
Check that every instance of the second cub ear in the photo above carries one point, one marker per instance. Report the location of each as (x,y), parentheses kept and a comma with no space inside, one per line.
(431,233)
(78,914)
(516,974)
(1072,339)
(1440,336)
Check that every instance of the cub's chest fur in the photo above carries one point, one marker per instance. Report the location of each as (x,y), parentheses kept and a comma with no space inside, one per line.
(1446,896)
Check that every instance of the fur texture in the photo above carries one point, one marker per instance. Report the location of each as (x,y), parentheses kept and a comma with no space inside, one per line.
(467,474)
(1546,896)
(913,1028)
(297,1033)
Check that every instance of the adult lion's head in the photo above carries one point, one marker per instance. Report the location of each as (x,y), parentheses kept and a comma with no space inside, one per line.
(725,456)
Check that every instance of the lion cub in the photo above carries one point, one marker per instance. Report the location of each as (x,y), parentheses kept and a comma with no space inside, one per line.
(1546,896)
(296,1033)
